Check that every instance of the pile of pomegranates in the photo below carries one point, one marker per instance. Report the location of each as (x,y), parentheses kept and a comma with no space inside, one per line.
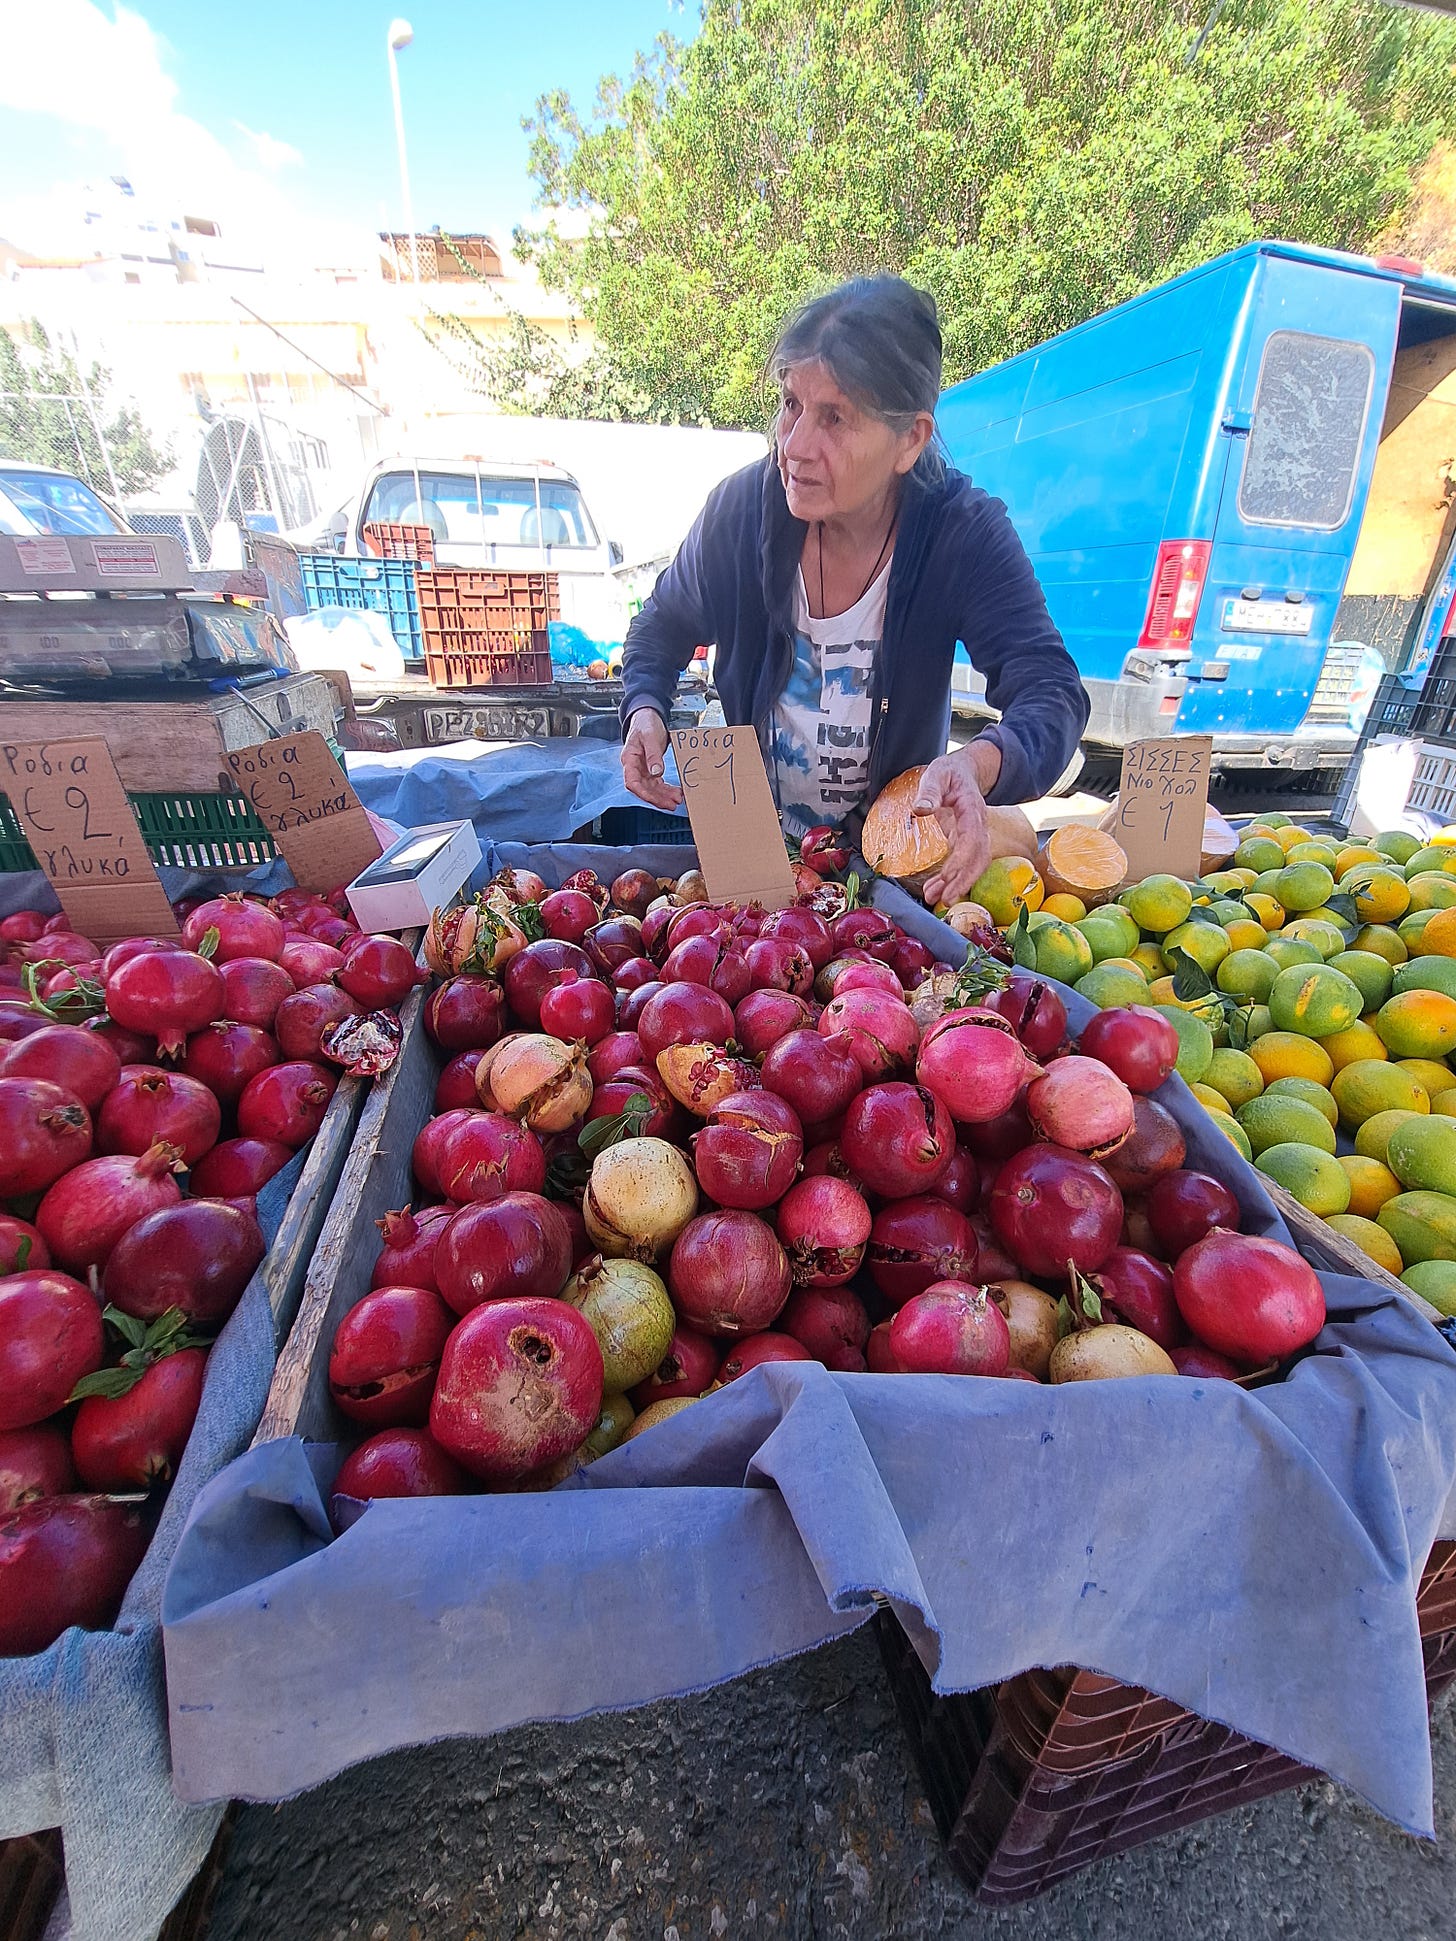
(674,1140)
(147,1093)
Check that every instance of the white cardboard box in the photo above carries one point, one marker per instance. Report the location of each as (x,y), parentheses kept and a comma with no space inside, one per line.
(416,876)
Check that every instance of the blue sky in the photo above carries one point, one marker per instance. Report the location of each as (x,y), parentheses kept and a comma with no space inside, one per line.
(295,93)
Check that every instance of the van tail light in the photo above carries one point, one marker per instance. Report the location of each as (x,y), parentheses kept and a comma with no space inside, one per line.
(1177,588)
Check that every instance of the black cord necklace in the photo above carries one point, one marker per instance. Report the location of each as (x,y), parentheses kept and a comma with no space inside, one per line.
(879,561)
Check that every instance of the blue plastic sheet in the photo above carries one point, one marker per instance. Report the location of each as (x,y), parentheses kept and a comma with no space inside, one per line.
(527,791)
(1250,1555)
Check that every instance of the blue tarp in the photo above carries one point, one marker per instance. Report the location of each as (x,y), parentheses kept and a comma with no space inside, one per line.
(527,791)
(1250,1555)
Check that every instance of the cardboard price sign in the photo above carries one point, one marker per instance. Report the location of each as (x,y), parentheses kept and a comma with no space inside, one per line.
(735,824)
(1161,803)
(303,797)
(76,815)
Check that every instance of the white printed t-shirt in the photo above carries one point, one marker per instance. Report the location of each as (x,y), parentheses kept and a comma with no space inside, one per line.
(821,727)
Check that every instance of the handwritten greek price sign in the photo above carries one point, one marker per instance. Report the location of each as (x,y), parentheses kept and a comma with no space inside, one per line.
(735,824)
(303,797)
(75,813)
(1161,803)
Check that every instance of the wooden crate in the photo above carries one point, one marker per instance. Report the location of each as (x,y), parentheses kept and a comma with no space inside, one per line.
(180,744)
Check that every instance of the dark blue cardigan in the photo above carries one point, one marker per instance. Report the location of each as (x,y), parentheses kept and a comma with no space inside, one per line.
(958,572)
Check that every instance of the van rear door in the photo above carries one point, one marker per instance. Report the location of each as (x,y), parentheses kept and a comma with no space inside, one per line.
(1301,428)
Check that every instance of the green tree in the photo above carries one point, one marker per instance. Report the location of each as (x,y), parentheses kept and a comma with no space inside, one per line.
(44,415)
(1030,161)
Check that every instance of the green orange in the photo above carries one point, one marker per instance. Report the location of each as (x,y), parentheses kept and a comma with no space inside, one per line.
(1315,999)
(1373,1085)
(1276,1120)
(1319,1096)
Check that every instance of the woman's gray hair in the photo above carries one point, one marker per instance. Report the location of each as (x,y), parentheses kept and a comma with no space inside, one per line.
(879,339)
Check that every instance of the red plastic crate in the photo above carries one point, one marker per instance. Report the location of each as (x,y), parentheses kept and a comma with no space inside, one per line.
(389,541)
(1055,1770)
(487,629)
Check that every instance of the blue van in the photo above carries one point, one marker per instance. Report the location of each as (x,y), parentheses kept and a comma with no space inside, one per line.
(1231,488)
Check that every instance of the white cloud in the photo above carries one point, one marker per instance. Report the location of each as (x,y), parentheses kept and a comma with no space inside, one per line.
(106,77)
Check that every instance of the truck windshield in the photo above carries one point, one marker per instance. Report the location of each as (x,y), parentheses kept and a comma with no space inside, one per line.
(469,509)
(1309,420)
(52,503)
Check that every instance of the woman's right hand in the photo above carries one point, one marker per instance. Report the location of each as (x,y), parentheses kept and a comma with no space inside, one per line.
(644,758)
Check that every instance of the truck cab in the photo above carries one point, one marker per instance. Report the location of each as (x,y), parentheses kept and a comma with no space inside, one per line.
(530,518)
(1237,490)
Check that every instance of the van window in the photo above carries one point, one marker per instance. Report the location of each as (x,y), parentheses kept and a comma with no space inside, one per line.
(1309,420)
(494,512)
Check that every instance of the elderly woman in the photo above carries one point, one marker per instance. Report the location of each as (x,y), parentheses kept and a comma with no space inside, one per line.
(835,578)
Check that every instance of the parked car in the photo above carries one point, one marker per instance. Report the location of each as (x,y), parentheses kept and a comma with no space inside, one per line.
(1231,488)
(38,499)
(509,517)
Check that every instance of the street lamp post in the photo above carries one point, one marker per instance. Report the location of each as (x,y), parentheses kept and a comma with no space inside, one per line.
(400,35)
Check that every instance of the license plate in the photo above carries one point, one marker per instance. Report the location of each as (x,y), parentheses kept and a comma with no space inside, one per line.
(1267,617)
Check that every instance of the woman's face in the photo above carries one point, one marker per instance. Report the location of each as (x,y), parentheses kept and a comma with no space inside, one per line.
(837,459)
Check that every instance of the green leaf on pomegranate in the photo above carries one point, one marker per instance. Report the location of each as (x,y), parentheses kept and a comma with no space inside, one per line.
(528,922)
(112,1383)
(22,1254)
(980,974)
(598,1134)
(210,941)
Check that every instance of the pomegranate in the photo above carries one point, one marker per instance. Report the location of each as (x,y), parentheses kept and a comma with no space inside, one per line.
(117,955)
(582,1011)
(974,1063)
(880,1358)
(612,941)
(1031,1316)
(65,1560)
(1183,1208)
(609,1054)
(303,1019)
(831,1323)
(1154,1146)
(18,1020)
(1109,1352)
(148,1105)
(399,1462)
(21,1247)
(287,1102)
(378,972)
(520,885)
(520,1385)
(65,1055)
(1055,1210)
(993,1262)
(22,927)
(44,1132)
(197,1257)
(748,1153)
(882,1033)
(960,1183)
(486,1156)
(1138,1290)
(385,1356)
(626,1304)
(777,964)
(456,1084)
(501,1249)
(640,1196)
(704,960)
(702,1076)
(1033,1010)
(916,1241)
(469,940)
(567,915)
(50,1336)
(817,1075)
(34,1462)
(1247,1297)
(688,1367)
(236,1168)
(702,921)
(465,1013)
(764,1017)
(1080,1104)
(1203,1363)
(632,1003)
(541,1081)
(307,961)
(427,1153)
(997,1139)
(87,1211)
(639,1103)
(951,1328)
(633,890)
(823,1224)
(856,973)
(133,1437)
(911,961)
(407,1258)
(224,1056)
(166,994)
(1136,1042)
(897,1138)
(757,1349)
(60,947)
(632,975)
(533,971)
(728,1274)
(858,929)
(253,989)
(683,1014)
(804,930)
(244,929)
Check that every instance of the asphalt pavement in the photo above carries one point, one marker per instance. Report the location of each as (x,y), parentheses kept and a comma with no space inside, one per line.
(782,1806)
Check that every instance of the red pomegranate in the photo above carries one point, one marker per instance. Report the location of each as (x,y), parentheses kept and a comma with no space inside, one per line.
(897,1138)
(407,1258)
(487,1156)
(399,1462)
(818,1076)
(65,1055)
(917,1241)
(386,1354)
(747,1155)
(44,1132)
(1055,1210)
(1136,1042)
(135,1440)
(65,1560)
(533,971)
(287,1102)
(1138,1290)
(974,1063)
(88,1209)
(50,1336)
(1033,1010)
(21,1247)
(683,1014)
(506,1249)
(951,1329)
(148,1105)
(165,995)
(253,989)
(831,1323)
(520,1385)
(881,1031)
(757,1349)
(823,1224)
(198,1256)
(687,1369)
(763,1017)
(237,1168)
(1247,1297)
(1080,1104)
(302,1019)
(1154,1146)
(378,973)
(1184,1207)
(728,1274)
(466,1013)
(34,1462)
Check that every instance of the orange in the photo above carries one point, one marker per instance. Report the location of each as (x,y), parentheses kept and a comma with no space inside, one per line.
(1287,1054)
(1371,1184)
(1438,938)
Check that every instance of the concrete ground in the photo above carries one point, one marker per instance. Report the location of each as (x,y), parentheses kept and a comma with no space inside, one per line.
(782,1806)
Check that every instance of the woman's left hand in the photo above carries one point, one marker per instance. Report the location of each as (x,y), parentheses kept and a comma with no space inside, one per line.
(954,788)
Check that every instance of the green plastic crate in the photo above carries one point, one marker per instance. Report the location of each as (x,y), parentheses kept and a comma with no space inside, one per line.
(183,830)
